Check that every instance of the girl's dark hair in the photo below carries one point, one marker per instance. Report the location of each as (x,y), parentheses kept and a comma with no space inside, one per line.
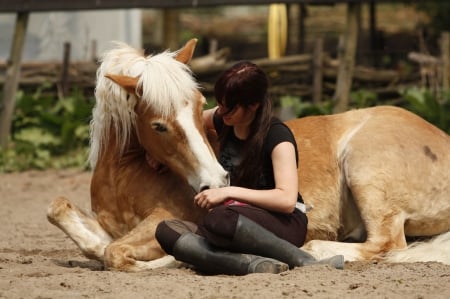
(246,84)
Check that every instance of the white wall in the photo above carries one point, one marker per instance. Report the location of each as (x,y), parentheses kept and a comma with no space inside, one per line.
(47,33)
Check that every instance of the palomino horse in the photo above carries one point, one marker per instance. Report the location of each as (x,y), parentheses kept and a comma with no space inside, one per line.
(146,107)
(373,176)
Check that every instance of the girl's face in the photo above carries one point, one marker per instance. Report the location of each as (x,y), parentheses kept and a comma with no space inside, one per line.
(238,116)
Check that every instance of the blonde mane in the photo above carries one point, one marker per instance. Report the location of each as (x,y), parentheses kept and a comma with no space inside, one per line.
(165,83)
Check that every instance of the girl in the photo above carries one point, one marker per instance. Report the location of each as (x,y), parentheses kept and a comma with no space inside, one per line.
(254,224)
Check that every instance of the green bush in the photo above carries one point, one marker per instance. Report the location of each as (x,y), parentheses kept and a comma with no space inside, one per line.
(363,98)
(435,108)
(300,108)
(48,132)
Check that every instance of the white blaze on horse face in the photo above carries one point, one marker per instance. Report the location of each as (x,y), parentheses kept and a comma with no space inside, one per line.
(210,174)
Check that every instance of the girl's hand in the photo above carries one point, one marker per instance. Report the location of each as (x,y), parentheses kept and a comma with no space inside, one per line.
(210,198)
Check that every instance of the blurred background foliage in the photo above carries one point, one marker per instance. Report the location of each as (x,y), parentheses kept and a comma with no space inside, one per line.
(438,12)
(435,108)
(48,132)
(52,132)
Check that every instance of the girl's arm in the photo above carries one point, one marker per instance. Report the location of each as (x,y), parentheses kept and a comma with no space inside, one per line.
(280,199)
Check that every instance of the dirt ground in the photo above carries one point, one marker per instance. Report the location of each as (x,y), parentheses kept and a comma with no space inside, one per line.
(38,261)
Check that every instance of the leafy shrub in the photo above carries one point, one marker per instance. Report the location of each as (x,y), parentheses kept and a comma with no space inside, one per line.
(423,102)
(48,132)
(300,108)
(433,108)
(363,98)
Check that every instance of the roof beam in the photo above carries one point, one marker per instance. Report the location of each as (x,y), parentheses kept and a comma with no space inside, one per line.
(58,5)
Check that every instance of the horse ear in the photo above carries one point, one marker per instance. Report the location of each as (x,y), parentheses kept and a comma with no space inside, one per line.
(126,82)
(184,55)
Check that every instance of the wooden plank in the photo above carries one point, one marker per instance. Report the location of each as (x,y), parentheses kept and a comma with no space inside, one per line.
(59,5)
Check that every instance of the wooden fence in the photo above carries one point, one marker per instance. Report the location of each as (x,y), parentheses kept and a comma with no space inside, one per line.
(305,76)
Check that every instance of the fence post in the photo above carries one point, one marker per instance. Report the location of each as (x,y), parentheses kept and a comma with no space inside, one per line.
(445,57)
(318,71)
(12,77)
(171,35)
(65,70)
(346,55)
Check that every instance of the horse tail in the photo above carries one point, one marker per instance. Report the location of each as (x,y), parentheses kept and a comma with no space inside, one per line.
(435,249)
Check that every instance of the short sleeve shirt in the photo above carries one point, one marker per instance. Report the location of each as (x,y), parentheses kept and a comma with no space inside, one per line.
(230,155)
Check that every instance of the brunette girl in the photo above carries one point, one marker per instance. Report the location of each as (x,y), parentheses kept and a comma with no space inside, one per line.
(256,224)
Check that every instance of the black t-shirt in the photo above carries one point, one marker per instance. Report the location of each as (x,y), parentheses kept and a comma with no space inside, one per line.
(230,154)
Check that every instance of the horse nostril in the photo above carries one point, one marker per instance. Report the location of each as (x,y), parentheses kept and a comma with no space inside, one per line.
(204,188)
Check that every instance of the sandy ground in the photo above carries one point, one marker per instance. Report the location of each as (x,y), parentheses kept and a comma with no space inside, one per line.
(38,261)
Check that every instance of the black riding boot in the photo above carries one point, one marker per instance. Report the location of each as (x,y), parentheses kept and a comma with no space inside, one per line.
(252,238)
(195,250)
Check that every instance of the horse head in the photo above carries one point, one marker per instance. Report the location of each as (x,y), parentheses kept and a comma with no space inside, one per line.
(167,108)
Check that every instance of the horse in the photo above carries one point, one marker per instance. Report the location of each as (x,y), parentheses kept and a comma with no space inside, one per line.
(377,182)
(370,178)
(148,108)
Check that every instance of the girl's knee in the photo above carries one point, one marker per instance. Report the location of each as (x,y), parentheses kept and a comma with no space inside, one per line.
(221,221)
(169,231)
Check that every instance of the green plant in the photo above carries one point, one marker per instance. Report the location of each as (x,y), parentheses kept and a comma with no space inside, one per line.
(48,132)
(363,98)
(435,108)
(301,109)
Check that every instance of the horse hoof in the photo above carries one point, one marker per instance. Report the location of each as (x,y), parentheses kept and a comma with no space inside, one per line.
(57,208)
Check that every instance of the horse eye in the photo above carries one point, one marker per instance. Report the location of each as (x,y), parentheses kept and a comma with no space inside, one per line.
(159,127)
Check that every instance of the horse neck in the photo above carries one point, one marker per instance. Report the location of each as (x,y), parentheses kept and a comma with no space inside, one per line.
(112,152)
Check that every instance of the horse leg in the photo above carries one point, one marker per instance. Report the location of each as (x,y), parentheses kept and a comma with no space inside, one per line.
(82,228)
(139,250)
(384,226)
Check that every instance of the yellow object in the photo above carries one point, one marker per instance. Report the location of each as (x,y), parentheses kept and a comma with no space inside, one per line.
(277,30)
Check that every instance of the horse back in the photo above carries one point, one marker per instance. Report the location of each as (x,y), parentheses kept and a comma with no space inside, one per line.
(343,157)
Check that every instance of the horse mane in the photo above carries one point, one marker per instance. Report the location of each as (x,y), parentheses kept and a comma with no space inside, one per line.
(166,85)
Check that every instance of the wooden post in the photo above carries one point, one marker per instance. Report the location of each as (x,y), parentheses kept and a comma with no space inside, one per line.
(12,77)
(65,70)
(346,55)
(318,71)
(293,28)
(374,47)
(302,28)
(171,36)
(445,57)
(94,56)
